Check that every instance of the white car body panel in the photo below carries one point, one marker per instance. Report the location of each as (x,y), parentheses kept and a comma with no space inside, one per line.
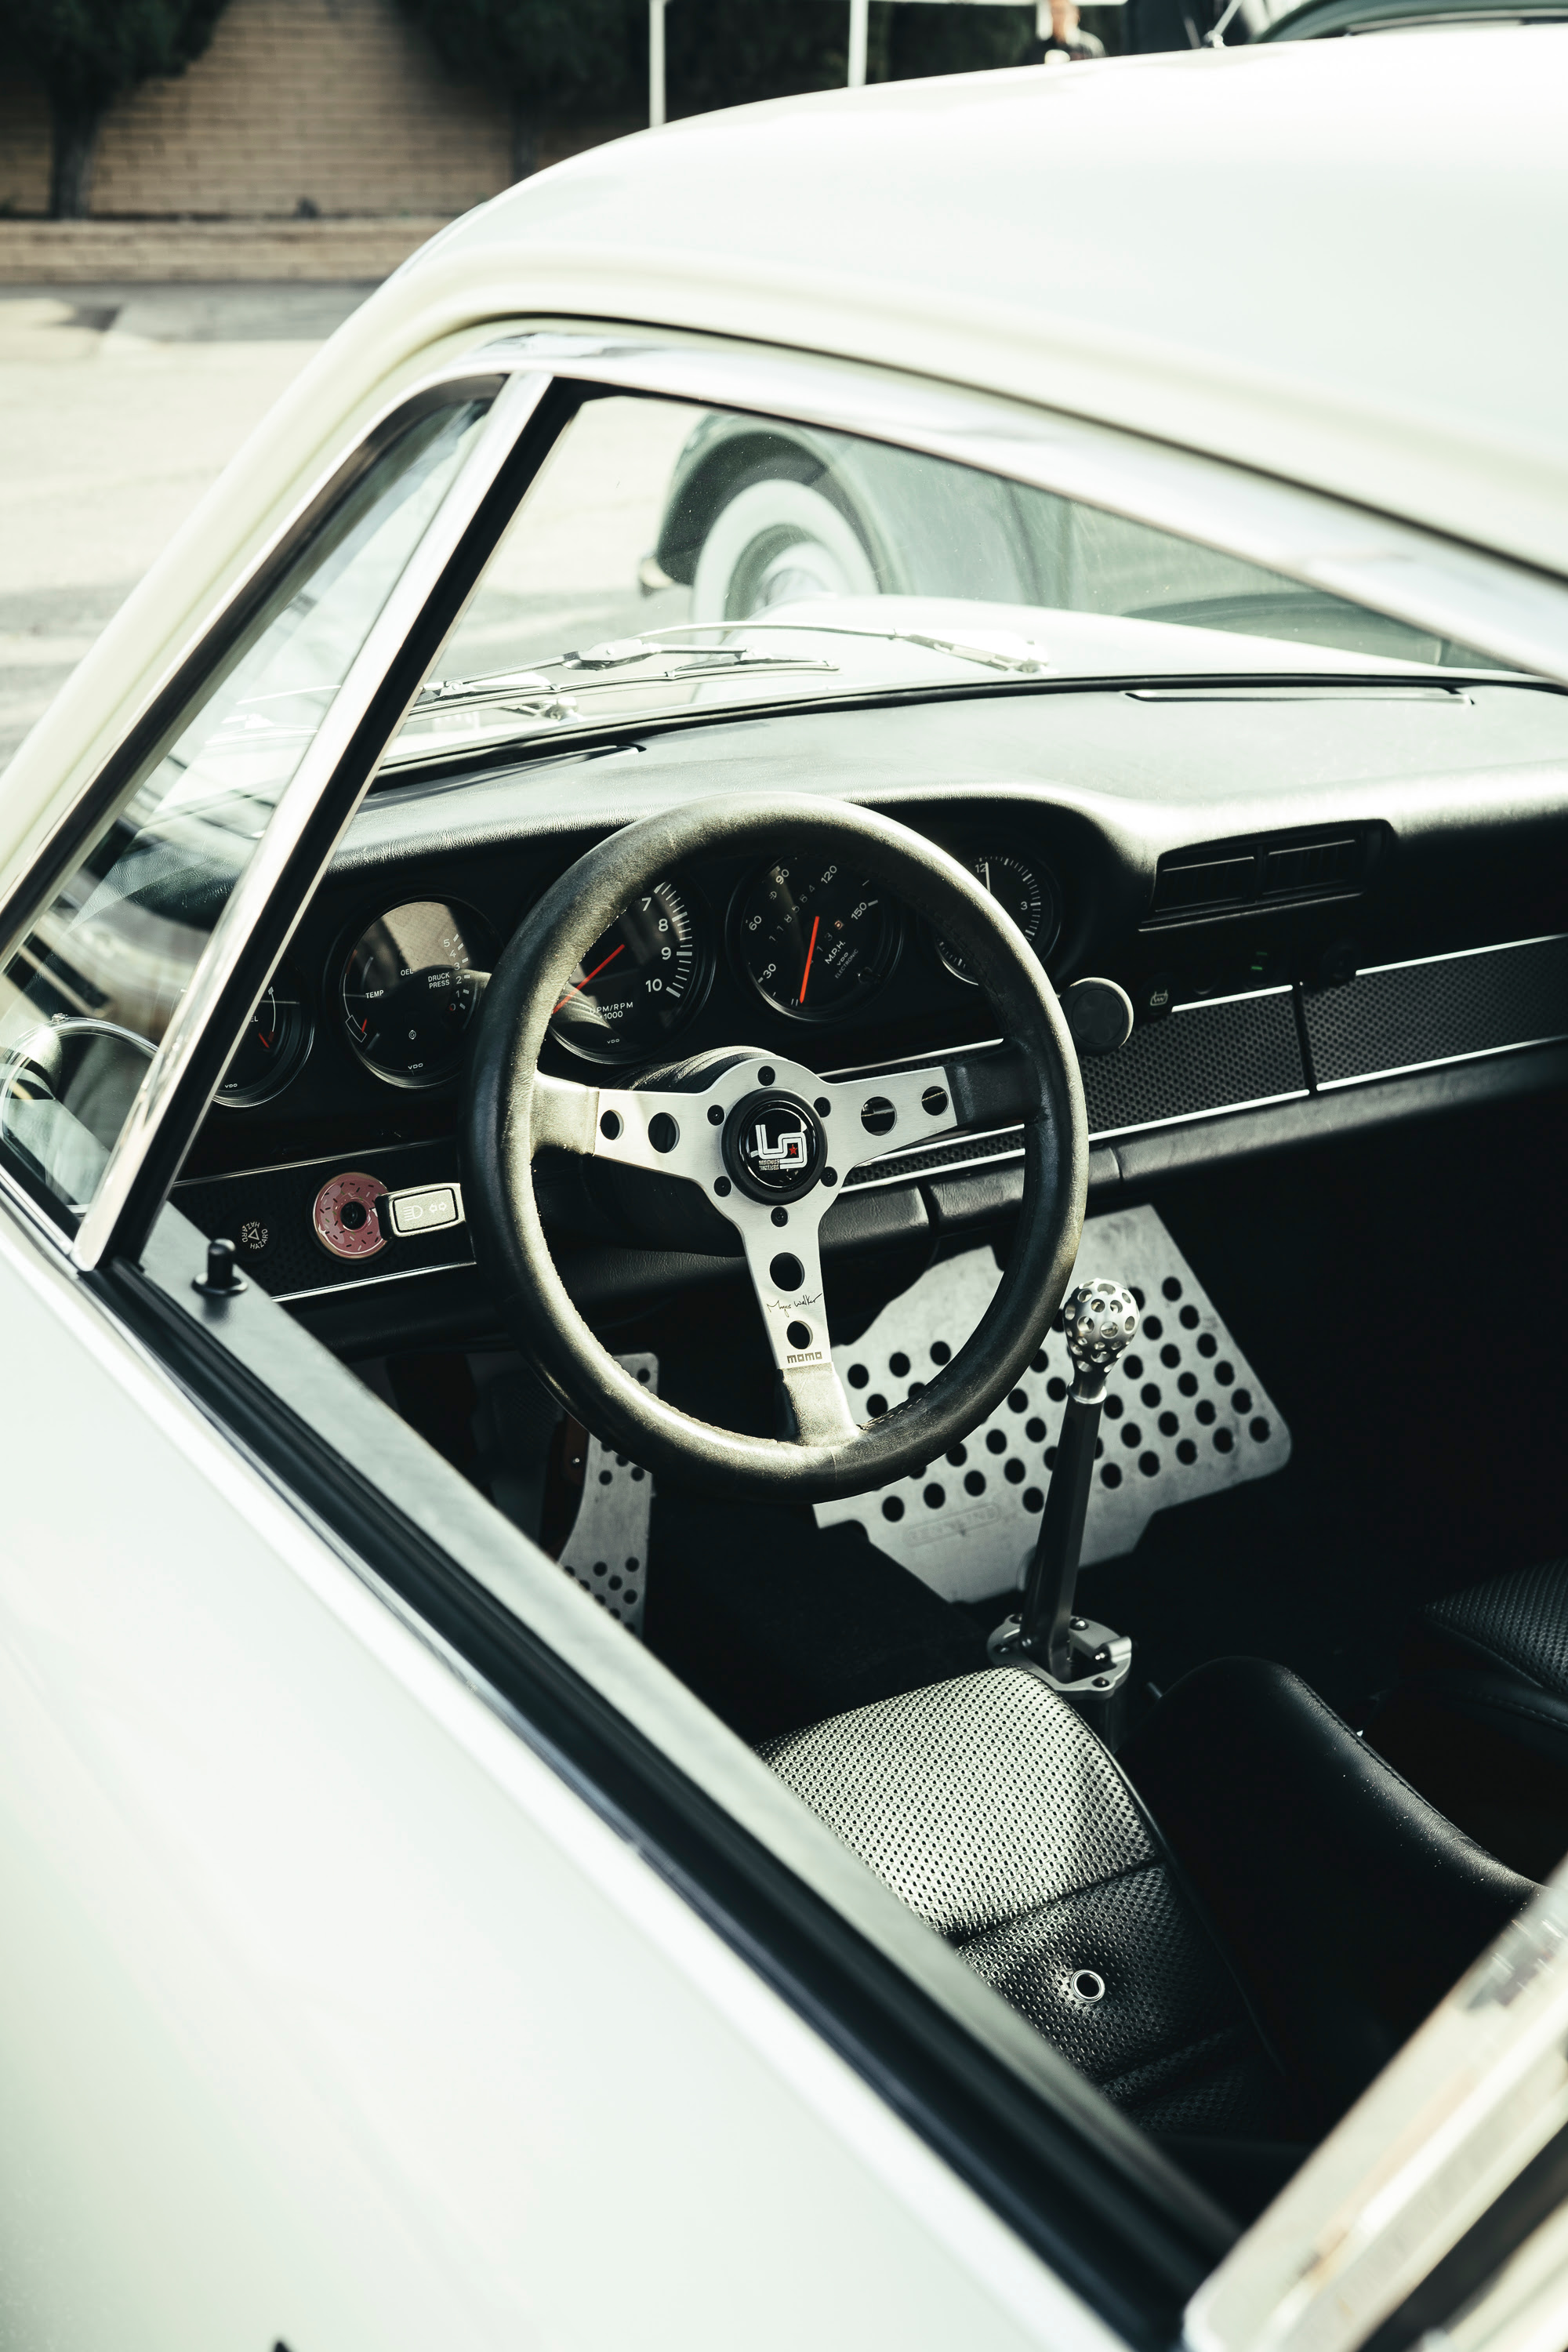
(332,2014)
(1014,235)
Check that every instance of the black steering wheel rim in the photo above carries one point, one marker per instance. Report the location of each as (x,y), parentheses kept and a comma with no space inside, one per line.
(510,1111)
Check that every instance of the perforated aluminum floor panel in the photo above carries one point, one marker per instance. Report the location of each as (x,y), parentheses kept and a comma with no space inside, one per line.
(1186,1416)
(606,1550)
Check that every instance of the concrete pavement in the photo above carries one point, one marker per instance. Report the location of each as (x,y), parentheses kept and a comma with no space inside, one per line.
(118,406)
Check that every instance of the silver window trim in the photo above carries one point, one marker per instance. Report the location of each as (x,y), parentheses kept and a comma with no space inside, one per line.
(1411,574)
(513,407)
(28,876)
(26,873)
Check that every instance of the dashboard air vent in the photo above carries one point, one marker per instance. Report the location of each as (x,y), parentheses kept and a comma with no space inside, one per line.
(1225,875)
(1216,882)
(1313,866)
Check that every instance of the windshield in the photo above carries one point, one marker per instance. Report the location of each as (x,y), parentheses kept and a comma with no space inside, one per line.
(670,558)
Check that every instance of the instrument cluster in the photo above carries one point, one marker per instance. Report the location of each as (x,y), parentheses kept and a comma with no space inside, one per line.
(810,936)
(814,937)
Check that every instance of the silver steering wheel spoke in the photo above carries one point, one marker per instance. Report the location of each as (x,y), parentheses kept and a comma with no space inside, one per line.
(760,1142)
(664,1131)
(785,1267)
(894,1112)
(768,1143)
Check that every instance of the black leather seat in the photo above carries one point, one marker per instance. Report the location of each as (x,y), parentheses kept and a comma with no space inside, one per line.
(1229,1930)
(1479,1716)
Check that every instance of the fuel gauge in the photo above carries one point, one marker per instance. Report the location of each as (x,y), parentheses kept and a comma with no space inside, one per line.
(273,1048)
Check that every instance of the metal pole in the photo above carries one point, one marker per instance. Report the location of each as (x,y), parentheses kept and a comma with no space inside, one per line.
(859,24)
(655,114)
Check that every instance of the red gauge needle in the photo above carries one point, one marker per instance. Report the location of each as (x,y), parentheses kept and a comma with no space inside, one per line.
(587,976)
(810,952)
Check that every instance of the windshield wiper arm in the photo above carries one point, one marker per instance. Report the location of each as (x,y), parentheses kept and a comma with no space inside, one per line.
(530,689)
(999,649)
(993,649)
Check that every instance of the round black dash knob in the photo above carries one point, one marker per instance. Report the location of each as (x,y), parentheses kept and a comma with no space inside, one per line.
(223,1278)
(1099,1015)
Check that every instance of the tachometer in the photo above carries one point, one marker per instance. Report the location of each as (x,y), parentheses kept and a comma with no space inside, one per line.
(816,938)
(1024,891)
(640,982)
(408,990)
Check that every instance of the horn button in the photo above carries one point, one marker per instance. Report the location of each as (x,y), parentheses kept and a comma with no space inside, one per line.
(774,1146)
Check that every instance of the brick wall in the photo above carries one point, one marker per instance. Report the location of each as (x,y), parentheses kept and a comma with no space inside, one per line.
(24,148)
(336,102)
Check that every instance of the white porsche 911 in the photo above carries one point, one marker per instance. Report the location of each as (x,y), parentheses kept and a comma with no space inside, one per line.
(783,1045)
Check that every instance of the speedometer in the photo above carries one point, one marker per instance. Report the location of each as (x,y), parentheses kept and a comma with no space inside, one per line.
(641,981)
(816,938)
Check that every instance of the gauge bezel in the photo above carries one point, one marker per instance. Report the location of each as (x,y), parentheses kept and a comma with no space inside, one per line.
(272,1085)
(349,939)
(705,929)
(896,919)
(973,846)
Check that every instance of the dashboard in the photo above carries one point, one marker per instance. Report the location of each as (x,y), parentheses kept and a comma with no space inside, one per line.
(1309,895)
(794,939)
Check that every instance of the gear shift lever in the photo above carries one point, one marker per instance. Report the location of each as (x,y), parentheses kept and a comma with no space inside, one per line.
(1086,1663)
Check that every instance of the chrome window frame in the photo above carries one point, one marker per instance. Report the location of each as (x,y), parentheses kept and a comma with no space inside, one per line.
(294,849)
(1499,607)
(1516,615)
(46,856)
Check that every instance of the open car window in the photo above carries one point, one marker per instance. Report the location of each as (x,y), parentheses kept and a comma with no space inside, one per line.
(86,998)
(670,558)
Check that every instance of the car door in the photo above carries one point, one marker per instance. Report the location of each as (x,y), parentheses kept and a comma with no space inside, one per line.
(386,1963)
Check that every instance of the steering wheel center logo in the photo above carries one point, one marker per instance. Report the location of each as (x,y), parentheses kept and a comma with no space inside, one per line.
(773,1146)
(778,1153)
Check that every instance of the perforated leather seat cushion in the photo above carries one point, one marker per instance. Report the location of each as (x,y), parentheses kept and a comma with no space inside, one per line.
(1000,1819)
(1518,1623)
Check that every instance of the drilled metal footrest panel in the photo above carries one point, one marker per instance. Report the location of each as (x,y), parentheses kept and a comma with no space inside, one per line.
(1186,1416)
(606,1550)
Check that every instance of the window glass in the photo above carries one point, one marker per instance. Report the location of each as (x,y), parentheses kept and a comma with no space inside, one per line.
(86,999)
(671,557)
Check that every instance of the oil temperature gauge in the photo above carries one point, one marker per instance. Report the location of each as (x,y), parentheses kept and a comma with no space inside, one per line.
(1022,890)
(408,989)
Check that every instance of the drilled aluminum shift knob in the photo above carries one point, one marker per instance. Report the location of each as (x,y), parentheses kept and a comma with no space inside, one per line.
(1100,1320)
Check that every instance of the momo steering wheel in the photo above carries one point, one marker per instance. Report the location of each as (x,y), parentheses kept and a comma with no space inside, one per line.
(768,1144)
